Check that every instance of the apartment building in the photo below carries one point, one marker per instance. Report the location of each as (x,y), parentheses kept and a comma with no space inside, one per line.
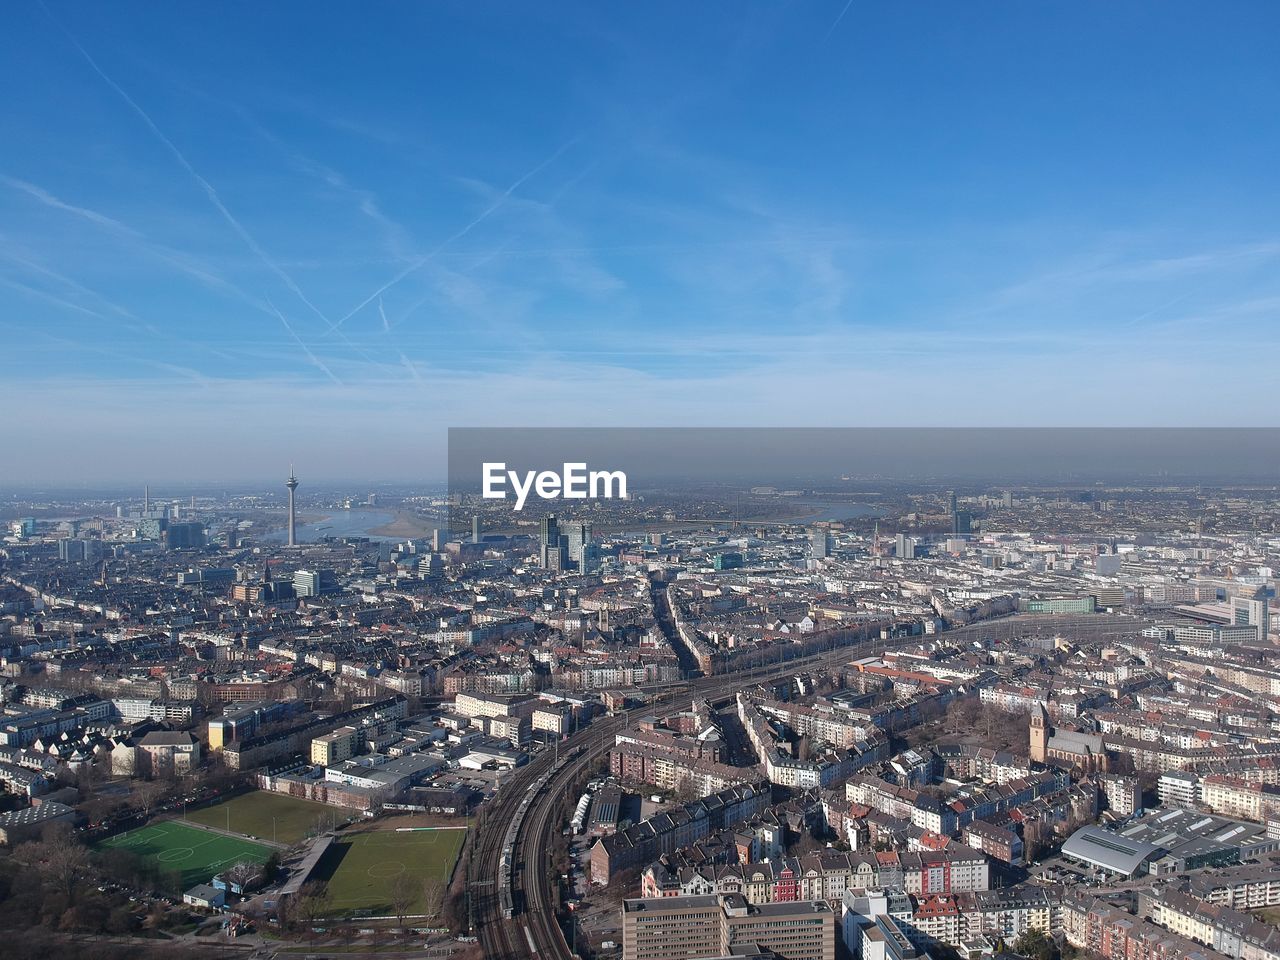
(1238,935)
(334,747)
(687,928)
(1233,797)
(675,829)
(674,769)
(671,928)
(1248,887)
(167,754)
(804,930)
(495,705)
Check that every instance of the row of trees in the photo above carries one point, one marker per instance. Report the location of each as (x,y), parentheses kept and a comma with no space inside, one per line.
(314,904)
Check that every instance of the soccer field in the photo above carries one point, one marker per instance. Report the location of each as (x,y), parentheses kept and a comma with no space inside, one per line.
(194,853)
(268,816)
(365,870)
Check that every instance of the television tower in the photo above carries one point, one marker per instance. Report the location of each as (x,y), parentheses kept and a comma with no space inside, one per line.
(292,484)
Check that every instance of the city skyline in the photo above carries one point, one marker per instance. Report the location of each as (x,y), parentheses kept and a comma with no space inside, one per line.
(707,718)
(831,216)
(589,481)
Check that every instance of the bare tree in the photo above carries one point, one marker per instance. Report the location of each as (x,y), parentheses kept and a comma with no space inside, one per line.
(243,874)
(146,795)
(401,897)
(87,777)
(312,904)
(685,791)
(58,855)
(432,895)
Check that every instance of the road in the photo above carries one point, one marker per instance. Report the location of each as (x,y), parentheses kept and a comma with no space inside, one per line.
(534,930)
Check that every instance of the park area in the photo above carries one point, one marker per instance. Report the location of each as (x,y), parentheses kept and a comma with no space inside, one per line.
(390,873)
(188,854)
(269,816)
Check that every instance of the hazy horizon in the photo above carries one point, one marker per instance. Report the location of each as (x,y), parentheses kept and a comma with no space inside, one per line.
(241,235)
(654,456)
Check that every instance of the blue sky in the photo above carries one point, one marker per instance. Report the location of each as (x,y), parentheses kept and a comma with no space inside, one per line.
(237,235)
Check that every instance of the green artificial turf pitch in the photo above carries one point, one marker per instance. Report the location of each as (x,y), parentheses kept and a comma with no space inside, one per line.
(364,871)
(194,853)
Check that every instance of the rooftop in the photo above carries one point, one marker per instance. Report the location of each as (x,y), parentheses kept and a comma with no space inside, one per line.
(1103,848)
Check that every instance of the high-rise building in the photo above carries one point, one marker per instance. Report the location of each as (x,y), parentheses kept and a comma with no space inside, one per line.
(906,547)
(77,550)
(548,529)
(579,545)
(184,536)
(961,522)
(475,528)
(1254,612)
(152,528)
(819,543)
(728,560)
(292,484)
(553,551)
(437,541)
(555,558)
(312,583)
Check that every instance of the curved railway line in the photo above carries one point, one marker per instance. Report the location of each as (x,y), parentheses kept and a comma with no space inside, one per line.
(515,910)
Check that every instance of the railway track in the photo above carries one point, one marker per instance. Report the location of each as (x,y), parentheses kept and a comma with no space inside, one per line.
(516,915)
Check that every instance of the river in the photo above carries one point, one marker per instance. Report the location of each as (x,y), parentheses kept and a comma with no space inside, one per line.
(835,510)
(341,523)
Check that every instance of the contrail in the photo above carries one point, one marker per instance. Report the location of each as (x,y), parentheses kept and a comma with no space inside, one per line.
(386,327)
(413,370)
(166,254)
(49,200)
(52,298)
(305,349)
(832,29)
(193,375)
(204,184)
(78,287)
(1154,310)
(424,260)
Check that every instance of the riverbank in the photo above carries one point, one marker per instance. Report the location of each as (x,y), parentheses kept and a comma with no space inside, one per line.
(408,525)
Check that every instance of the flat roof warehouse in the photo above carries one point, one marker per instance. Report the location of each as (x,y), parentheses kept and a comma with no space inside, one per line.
(1170,841)
(1108,851)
